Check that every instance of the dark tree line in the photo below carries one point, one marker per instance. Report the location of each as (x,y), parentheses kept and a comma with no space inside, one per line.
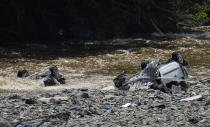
(37,20)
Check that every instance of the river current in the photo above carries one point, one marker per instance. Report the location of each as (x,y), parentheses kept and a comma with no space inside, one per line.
(94,64)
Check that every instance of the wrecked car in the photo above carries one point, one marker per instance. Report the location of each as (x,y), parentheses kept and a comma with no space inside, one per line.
(157,75)
(50,78)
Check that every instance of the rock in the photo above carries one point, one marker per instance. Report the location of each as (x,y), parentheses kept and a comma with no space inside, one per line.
(62,80)
(74,99)
(52,100)
(207,103)
(175,89)
(4,123)
(108,88)
(158,105)
(84,89)
(94,111)
(61,98)
(125,87)
(66,91)
(138,103)
(15,96)
(32,100)
(126,105)
(157,93)
(76,108)
(85,95)
(47,95)
(85,112)
(49,81)
(145,108)
(22,73)
(193,120)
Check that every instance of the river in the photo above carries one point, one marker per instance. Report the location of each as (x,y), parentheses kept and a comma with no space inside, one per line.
(95,64)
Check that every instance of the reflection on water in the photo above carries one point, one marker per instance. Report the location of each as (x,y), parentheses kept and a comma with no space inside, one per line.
(94,65)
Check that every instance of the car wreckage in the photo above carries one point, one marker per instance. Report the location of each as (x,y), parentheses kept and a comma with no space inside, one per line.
(50,78)
(156,75)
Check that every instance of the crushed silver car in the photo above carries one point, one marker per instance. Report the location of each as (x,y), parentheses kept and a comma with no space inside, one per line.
(162,76)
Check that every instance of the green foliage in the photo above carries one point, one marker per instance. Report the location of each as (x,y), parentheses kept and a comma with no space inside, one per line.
(201,16)
(97,19)
(192,12)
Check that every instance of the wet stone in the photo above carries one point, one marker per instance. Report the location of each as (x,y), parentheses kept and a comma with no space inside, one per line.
(94,111)
(32,100)
(66,91)
(84,89)
(47,95)
(158,105)
(15,96)
(207,102)
(193,120)
(85,95)
(52,100)
(55,101)
(175,89)
(22,73)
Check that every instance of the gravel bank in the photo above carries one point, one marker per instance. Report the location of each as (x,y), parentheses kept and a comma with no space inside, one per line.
(97,108)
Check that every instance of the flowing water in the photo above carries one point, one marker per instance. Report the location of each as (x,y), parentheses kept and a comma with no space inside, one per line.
(95,64)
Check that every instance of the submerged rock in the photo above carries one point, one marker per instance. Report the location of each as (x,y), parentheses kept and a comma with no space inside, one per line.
(22,73)
(85,95)
(31,100)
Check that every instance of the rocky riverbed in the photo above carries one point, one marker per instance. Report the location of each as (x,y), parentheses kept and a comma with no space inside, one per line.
(102,108)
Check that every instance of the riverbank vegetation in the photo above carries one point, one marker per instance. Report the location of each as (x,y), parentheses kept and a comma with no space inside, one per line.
(38,20)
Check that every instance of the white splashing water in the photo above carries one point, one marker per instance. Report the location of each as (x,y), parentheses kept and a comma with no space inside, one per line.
(98,71)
